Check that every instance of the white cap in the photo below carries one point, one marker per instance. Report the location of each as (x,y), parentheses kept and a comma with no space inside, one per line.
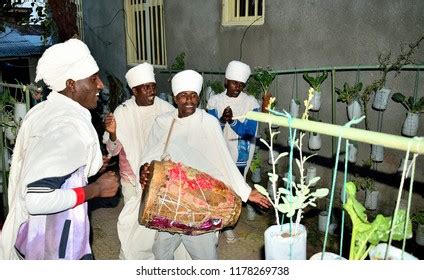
(140,74)
(237,71)
(187,80)
(64,61)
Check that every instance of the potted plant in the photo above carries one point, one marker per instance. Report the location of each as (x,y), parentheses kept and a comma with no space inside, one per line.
(368,185)
(418,218)
(264,76)
(294,108)
(288,241)
(380,99)
(351,96)
(255,168)
(315,83)
(364,232)
(414,108)
(377,153)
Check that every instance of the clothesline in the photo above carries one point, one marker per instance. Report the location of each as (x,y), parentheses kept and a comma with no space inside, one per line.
(377,138)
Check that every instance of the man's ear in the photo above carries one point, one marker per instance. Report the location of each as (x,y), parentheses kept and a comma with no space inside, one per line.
(70,84)
(134,91)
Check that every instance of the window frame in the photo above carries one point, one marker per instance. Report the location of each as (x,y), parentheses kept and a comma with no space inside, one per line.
(230,19)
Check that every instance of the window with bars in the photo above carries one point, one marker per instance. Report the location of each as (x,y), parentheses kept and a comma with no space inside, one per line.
(145,32)
(243,12)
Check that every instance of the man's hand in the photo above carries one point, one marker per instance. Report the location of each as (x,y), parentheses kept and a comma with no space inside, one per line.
(105,186)
(227,115)
(110,126)
(259,199)
(144,174)
(106,160)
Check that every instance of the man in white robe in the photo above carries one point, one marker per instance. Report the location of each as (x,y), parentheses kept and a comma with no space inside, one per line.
(127,130)
(196,140)
(57,149)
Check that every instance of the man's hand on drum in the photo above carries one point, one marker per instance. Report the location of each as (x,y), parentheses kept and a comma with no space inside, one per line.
(144,173)
(259,199)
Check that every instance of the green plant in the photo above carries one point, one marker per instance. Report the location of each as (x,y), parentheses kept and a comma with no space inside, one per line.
(411,104)
(253,87)
(364,232)
(264,76)
(418,217)
(366,183)
(349,93)
(216,86)
(179,62)
(316,82)
(256,162)
(6,98)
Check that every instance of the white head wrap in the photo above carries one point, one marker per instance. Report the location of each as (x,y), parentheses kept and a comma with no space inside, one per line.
(237,71)
(187,80)
(140,74)
(68,60)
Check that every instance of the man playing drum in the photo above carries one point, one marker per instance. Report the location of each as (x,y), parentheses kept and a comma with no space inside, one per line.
(195,140)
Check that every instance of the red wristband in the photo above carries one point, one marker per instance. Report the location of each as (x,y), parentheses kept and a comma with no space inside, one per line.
(80,195)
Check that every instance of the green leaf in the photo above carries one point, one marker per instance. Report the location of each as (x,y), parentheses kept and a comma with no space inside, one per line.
(398,97)
(261,189)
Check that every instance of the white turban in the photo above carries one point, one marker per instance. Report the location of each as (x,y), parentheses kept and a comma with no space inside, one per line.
(187,80)
(237,71)
(64,61)
(140,74)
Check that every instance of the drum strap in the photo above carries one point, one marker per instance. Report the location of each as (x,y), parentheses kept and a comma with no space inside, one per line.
(165,155)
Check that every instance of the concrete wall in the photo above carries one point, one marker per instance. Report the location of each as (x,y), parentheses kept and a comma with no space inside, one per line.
(296,34)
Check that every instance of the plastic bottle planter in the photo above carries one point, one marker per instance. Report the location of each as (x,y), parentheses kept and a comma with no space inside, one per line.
(256,175)
(380,99)
(410,125)
(294,108)
(419,235)
(354,110)
(379,252)
(316,101)
(314,142)
(377,153)
(328,256)
(322,223)
(402,162)
(371,199)
(19,112)
(353,152)
(311,172)
(9,132)
(281,245)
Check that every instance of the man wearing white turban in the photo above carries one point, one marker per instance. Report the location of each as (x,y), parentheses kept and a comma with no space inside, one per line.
(240,135)
(195,140)
(57,149)
(126,132)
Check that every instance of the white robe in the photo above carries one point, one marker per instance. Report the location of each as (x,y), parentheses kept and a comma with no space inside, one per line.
(196,141)
(55,139)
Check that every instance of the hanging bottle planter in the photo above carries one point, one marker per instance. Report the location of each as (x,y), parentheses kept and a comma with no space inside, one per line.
(371,199)
(256,175)
(402,163)
(315,83)
(311,172)
(354,110)
(353,152)
(314,142)
(316,101)
(280,244)
(410,125)
(377,153)
(380,99)
(322,223)
(275,153)
(294,108)
(19,112)
(419,235)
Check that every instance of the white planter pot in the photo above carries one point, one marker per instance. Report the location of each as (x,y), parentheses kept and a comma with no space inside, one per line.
(322,223)
(276,153)
(410,125)
(419,235)
(9,132)
(279,245)
(314,142)
(371,199)
(316,101)
(19,112)
(256,176)
(353,152)
(311,172)
(294,109)
(380,99)
(6,156)
(379,253)
(354,110)
(328,256)
(377,153)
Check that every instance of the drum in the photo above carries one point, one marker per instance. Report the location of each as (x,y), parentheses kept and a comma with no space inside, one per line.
(181,199)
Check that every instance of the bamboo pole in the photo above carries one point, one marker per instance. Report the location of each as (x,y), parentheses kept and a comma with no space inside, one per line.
(377,138)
